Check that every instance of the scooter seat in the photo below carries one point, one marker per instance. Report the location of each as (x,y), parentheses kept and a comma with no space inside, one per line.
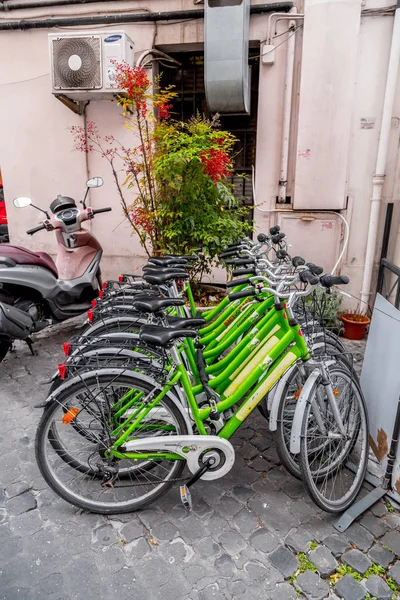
(23,256)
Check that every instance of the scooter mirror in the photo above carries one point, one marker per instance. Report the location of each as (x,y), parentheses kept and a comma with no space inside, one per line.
(22,202)
(95,182)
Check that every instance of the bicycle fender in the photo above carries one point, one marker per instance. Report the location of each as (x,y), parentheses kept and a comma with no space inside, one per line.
(112,321)
(82,377)
(273,404)
(295,434)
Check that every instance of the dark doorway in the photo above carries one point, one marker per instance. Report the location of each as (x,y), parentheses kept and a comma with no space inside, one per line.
(188,81)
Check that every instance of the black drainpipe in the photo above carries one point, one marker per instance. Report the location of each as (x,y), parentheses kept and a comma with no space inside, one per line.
(6,6)
(133,18)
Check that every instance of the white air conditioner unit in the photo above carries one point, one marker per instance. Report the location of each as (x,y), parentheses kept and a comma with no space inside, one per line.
(82,63)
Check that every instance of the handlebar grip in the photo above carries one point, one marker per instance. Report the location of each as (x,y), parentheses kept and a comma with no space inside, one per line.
(239,272)
(308,277)
(235,282)
(35,229)
(228,253)
(315,269)
(274,230)
(232,247)
(275,239)
(262,237)
(96,211)
(240,261)
(298,261)
(241,294)
(330,280)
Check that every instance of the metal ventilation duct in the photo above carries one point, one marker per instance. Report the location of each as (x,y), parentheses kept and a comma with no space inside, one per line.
(226,54)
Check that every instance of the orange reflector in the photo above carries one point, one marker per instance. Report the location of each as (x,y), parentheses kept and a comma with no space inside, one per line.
(300,333)
(101,292)
(284,315)
(297,393)
(90,315)
(336,392)
(105,284)
(62,370)
(70,415)
(93,303)
(121,278)
(66,348)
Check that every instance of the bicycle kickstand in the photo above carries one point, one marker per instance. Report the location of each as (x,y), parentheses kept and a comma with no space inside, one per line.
(186,496)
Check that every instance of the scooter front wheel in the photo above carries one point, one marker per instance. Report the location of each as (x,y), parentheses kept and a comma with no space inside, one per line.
(4,348)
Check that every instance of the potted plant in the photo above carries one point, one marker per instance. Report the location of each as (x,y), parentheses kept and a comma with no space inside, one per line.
(173,180)
(325,308)
(355,324)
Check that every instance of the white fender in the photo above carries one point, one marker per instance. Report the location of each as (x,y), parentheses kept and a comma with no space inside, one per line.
(82,377)
(295,434)
(273,404)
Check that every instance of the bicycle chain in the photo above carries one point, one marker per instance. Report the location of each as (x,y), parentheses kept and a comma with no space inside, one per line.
(148,483)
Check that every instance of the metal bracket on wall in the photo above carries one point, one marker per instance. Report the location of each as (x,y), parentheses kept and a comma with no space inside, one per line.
(76,107)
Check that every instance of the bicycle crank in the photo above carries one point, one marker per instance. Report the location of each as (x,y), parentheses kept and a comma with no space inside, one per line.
(195,449)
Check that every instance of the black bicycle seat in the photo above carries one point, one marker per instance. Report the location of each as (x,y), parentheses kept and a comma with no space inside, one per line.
(181,323)
(162,336)
(153,305)
(163,278)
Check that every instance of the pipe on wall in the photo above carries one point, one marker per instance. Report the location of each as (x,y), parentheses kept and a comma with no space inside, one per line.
(380,169)
(8,6)
(131,18)
(287,110)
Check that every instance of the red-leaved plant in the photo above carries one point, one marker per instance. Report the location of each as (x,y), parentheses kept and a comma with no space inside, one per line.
(174,172)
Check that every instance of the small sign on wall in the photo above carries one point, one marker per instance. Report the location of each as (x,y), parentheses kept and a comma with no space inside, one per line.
(304,153)
(367,122)
(326,225)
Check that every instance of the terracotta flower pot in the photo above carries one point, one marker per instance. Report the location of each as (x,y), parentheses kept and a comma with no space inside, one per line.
(354,326)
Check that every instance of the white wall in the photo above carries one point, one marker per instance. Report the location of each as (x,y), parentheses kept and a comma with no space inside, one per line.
(36,148)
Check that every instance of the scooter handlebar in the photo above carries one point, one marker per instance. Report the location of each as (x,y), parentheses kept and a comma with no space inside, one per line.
(35,229)
(96,211)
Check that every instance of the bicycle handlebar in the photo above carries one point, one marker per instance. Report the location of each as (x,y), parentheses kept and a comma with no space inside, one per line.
(236,282)
(241,294)
(238,272)
(298,261)
(315,269)
(330,280)
(308,277)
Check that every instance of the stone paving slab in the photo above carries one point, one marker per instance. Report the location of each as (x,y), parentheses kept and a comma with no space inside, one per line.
(248,537)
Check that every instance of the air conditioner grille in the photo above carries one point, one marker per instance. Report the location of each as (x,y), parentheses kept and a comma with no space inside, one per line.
(77,63)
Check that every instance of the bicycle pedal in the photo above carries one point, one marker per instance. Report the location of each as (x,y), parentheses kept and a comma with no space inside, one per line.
(186,497)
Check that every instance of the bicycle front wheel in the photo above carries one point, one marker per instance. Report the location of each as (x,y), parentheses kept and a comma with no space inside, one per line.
(333,458)
(74,465)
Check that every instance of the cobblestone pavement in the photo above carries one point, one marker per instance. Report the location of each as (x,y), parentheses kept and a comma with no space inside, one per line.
(253,534)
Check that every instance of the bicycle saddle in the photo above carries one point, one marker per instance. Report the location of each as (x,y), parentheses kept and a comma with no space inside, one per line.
(163,278)
(162,336)
(181,323)
(153,305)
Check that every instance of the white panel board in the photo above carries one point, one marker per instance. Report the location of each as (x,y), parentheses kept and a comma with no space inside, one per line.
(380,381)
(328,74)
(314,236)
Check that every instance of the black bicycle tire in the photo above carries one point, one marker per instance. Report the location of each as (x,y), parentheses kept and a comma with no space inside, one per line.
(92,506)
(307,480)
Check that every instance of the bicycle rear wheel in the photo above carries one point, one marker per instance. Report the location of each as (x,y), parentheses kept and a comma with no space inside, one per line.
(332,462)
(80,480)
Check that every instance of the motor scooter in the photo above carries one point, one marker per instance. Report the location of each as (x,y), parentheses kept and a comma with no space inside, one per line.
(51,292)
